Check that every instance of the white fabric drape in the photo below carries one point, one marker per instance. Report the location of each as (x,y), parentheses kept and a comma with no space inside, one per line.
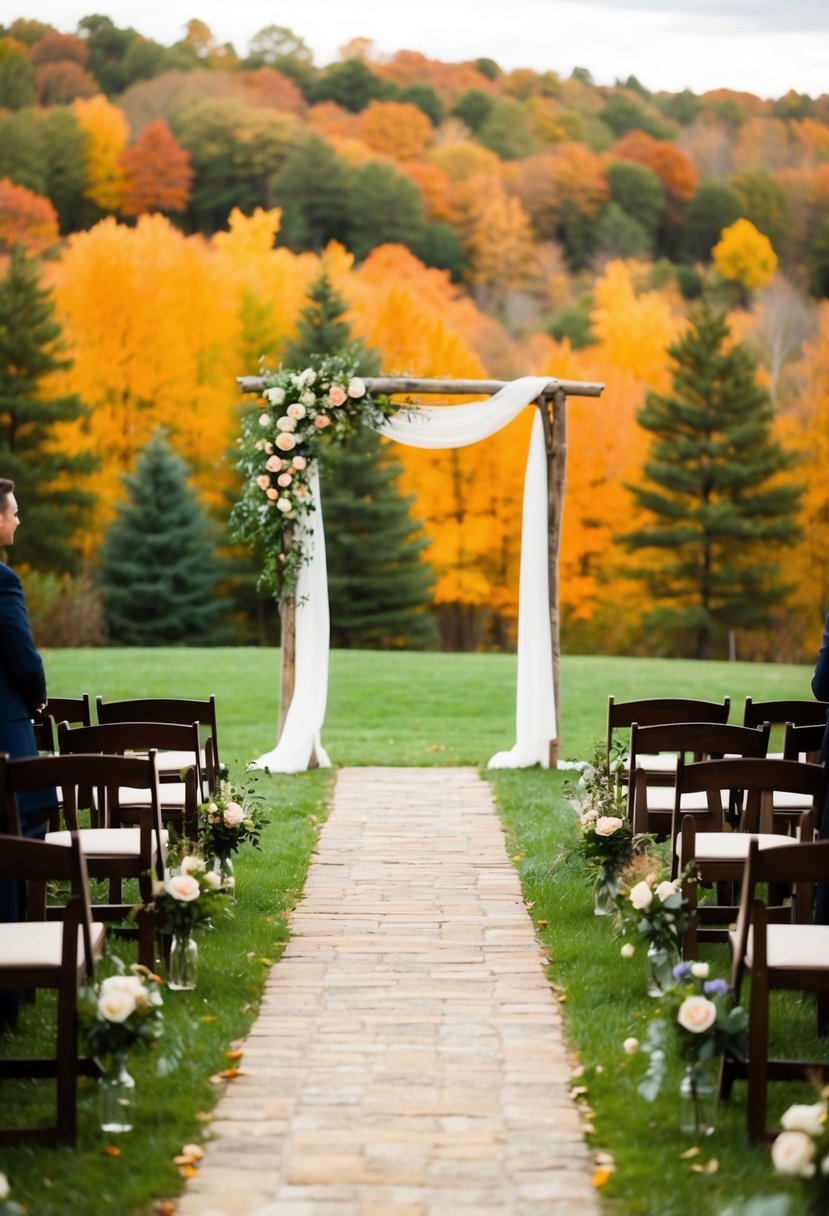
(437,427)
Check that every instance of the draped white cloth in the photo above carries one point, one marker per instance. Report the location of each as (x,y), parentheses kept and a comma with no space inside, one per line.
(437,427)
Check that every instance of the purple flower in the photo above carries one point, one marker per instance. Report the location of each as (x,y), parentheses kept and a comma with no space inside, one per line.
(715,987)
(682,971)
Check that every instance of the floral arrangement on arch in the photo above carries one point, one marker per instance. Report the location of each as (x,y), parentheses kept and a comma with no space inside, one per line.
(121,1010)
(279,447)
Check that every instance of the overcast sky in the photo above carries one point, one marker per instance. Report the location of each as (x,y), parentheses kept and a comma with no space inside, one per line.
(760,46)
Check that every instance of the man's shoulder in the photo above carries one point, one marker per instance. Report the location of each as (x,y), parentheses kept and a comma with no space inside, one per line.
(9,581)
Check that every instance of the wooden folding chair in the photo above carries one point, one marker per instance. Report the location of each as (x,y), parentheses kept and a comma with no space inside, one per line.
(182,710)
(718,851)
(178,800)
(655,711)
(790,955)
(778,713)
(650,806)
(50,954)
(119,846)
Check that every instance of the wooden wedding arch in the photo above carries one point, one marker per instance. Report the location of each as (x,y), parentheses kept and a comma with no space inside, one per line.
(552,405)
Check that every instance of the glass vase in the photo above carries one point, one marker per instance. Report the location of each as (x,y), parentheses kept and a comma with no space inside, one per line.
(116,1094)
(605,890)
(698,1098)
(660,961)
(223,866)
(182,969)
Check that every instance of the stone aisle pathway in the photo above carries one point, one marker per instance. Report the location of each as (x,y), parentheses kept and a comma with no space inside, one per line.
(408,1057)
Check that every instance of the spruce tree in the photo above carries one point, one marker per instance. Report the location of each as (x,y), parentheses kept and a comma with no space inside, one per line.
(719,512)
(158,567)
(46,477)
(378,585)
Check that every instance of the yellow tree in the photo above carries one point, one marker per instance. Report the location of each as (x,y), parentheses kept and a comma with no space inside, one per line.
(396,129)
(499,248)
(107,131)
(745,256)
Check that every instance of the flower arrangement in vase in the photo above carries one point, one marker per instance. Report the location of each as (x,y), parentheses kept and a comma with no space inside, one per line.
(656,910)
(185,903)
(802,1148)
(697,1016)
(116,1013)
(227,821)
(606,842)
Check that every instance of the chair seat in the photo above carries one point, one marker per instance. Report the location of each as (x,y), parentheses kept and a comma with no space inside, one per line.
(107,842)
(174,762)
(40,944)
(662,797)
(731,846)
(792,946)
(792,802)
(170,795)
(655,762)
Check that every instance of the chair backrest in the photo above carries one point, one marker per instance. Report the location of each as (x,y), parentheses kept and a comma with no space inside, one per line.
(183,710)
(652,711)
(703,740)
(758,779)
(778,713)
(803,742)
(106,774)
(77,710)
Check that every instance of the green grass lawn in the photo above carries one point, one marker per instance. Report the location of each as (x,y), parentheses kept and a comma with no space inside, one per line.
(405,709)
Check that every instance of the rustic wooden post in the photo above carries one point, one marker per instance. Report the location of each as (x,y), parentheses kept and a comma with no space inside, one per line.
(554,420)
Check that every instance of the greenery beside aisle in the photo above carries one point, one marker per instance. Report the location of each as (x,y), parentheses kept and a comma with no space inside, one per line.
(409,709)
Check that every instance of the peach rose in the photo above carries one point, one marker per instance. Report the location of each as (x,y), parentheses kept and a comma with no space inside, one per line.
(284,479)
(793,1153)
(286,424)
(272,494)
(234,815)
(336,394)
(263,481)
(285,441)
(296,411)
(273,464)
(697,1014)
(606,825)
(183,887)
(299,462)
(321,422)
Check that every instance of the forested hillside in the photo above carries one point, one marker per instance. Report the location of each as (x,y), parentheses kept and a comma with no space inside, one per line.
(179,202)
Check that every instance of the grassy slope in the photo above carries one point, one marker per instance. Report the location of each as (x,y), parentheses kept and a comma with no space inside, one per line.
(401,709)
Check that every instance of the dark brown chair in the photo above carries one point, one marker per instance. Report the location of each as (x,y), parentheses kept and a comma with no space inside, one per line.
(790,955)
(717,851)
(656,711)
(119,846)
(182,710)
(178,800)
(50,954)
(650,804)
(778,713)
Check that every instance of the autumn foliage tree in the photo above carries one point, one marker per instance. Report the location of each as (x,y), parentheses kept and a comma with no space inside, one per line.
(26,219)
(157,172)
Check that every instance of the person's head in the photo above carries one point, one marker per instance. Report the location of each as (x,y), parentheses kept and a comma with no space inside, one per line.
(8,511)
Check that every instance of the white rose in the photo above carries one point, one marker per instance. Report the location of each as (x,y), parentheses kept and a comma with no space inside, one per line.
(699,971)
(666,889)
(356,388)
(697,1014)
(234,815)
(183,887)
(213,880)
(628,950)
(631,1046)
(284,505)
(285,441)
(286,424)
(264,420)
(808,1119)
(5,1189)
(296,411)
(275,395)
(606,825)
(307,398)
(190,864)
(793,1153)
(115,1004)
(641,896)
(589,817)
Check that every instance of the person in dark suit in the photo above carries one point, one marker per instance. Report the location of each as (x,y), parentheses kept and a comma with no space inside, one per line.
(820,688)
(22,695)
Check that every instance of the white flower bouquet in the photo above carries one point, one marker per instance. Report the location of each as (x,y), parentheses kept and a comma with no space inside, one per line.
(228,820)
(187,901)
(802,1148)
(121,1010)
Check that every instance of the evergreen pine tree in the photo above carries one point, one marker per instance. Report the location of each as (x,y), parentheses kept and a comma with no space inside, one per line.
(711,486)
(158,566)
(378,585)
(46,478)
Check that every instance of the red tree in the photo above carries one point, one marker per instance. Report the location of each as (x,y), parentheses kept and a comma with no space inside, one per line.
(157,172)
